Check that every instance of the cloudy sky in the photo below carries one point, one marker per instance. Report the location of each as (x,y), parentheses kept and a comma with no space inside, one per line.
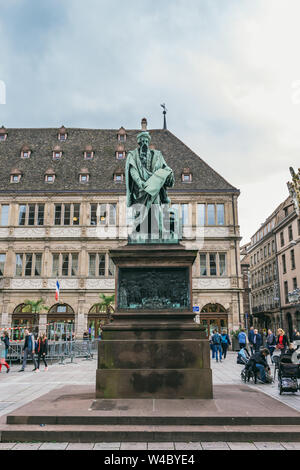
(228,70)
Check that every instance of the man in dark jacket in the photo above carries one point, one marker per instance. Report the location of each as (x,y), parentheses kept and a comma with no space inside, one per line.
(250,338)
(257,341)
(28,349)
(259,362)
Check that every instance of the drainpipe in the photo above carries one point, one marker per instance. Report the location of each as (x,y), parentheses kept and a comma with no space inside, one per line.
(236,259)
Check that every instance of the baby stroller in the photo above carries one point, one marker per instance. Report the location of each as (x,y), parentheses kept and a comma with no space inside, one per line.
(288,375)
(242,357)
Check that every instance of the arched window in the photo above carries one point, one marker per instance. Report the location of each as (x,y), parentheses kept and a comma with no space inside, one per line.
(213,308)
(61,323)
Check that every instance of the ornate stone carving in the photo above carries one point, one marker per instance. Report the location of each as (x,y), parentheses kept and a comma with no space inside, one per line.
(218,283)
(100,284)
(28,232)
(65,232)
(26,283)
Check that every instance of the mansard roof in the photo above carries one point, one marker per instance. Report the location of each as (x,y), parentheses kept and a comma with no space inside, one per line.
(102,167)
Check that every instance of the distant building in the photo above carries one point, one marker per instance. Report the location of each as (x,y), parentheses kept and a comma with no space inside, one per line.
(275,269)
(265,289)
(63,207)
(246,276)
(287,232)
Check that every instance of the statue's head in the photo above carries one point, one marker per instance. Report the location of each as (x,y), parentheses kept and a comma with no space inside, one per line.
(144,139)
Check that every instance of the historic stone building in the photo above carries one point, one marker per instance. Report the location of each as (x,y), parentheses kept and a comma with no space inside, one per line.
(62,208)
(265,292)
(274,267)
(287,234)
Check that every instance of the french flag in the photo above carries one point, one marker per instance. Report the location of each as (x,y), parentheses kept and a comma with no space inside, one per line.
(57,291)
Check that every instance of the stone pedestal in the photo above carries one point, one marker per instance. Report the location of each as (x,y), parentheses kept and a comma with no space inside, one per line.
(153,353)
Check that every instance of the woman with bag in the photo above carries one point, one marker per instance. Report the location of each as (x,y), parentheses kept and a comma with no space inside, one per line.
(42,349)
(282,341)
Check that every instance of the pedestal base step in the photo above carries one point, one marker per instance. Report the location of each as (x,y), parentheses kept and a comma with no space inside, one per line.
(149,433)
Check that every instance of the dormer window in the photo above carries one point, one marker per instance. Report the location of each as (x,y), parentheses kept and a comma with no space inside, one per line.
(88,153)
(57,153)
(122,135)
(3,134)
(50,176)
(120,152)
(186,176)
(25,152)
(62,134)
(119,177)
(15,176)
(84,175)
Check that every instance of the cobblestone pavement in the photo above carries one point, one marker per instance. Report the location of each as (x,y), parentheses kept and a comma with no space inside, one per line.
(17,389)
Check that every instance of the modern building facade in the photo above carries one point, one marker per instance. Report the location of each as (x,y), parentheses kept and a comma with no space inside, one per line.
(63,207)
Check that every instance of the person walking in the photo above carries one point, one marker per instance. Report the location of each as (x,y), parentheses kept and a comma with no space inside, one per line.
(42,350)
(271,343)
(28,350)
(225,342)
(250,338)
(257,340)
(216,341)
(3,356)
(242,339)
(282,341)
(5,339)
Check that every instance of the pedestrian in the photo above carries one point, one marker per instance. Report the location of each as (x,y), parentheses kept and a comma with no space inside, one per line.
(282,341)
(3,356)
(5,339)
(28,350)
(216,341)
(259,361)
(242,338)
(250,338)
(271,343)
(211,346)
(257,340)
(42,350)
(225,342)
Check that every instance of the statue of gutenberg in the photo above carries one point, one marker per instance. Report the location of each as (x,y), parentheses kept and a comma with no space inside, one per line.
(147,177)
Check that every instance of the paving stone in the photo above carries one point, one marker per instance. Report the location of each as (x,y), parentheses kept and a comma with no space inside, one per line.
(133,446)
(160,446)
(215,445)
(268,446)
(107,446)
(241,446)
(54,446)
(28,446)
(7,445)
(188,446)
(80,446)
(291,445)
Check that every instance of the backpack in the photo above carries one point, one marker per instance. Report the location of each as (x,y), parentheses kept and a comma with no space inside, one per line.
(224,339)
(242,337)
(216,339)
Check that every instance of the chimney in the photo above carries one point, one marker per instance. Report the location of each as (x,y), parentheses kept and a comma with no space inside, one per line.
(144,124)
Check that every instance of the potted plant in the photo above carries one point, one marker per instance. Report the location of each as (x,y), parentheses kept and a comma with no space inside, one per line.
(235,342)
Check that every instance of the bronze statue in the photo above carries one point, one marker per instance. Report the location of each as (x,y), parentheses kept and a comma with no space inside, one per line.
(147,179)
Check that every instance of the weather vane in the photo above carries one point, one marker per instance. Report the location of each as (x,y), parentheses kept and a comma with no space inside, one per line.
(164,113)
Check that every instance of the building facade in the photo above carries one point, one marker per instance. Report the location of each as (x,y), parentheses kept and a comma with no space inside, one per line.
(287,234)
(63,207)
(265,288)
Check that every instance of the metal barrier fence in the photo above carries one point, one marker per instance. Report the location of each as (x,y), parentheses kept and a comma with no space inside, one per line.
(57,351)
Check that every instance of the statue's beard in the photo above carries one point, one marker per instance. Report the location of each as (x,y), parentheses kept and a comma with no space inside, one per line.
(144,149)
